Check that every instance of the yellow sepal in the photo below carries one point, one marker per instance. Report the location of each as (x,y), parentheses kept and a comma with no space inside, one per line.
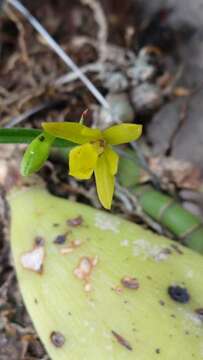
(123,133)
(75,132)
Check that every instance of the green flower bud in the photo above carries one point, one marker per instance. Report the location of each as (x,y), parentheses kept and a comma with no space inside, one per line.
(36,154)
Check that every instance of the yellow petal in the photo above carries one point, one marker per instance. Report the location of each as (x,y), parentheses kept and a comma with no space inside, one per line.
(82,161)
(75,132)
(104,181)
(112,158)
(123,133)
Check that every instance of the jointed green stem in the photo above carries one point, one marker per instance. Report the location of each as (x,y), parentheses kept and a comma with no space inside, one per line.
(188,228)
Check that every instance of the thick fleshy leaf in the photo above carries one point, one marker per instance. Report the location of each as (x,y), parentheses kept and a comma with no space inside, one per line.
(75,132)
(118,283)
(119,292)
(104,181)
(123,133)
(112,158)
(82,161)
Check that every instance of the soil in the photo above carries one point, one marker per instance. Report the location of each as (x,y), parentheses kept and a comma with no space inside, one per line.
(149,53)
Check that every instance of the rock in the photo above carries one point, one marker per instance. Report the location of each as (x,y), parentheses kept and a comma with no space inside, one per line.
(142,70)
(121,110)
(146,97)
(188,144)
(114,81)
(162,126)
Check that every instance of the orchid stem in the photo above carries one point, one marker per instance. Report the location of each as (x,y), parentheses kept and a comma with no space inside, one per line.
(25,136)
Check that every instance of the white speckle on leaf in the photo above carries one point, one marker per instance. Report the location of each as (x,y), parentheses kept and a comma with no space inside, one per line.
(88,287)
(33,260)
(190,274)
(109,347)
(106,222)
(125,242)
(194,318)
(162,255)
(106,335)
(91,303)
(86,323)
(149,250)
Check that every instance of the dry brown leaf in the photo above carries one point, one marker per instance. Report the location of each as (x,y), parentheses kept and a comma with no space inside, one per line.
(182,173)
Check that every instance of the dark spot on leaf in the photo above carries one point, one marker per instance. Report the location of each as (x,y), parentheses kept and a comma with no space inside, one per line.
(161,302)
(39,241)
(130,283)
(41,138)
(199,312)
(57,339)
(179,294)
(55,224)
(75,221)
(177,249)
(122,341)
(157,351)
(60,239)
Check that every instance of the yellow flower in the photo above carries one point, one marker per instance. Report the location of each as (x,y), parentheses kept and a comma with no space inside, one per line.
(95,154)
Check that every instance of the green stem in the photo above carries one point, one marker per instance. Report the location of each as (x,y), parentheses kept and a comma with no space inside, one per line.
(187,227)
(25,136)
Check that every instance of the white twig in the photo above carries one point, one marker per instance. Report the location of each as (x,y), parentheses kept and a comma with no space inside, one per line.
(64,79)
(18,119)
(61,53)
(100,18)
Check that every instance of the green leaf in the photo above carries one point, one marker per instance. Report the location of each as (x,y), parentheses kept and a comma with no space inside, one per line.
(104,288)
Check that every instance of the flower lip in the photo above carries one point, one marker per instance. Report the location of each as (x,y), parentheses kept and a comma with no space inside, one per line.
(99,145)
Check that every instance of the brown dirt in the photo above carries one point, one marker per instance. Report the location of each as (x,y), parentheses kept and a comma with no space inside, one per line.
(28,74)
